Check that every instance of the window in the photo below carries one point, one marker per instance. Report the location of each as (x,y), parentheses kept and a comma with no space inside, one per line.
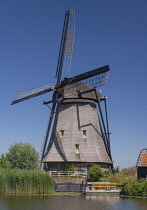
(84,134)
(77,149)
(62,133)
(94,110)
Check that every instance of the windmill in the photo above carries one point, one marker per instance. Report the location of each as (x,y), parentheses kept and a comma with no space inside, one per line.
(77,131)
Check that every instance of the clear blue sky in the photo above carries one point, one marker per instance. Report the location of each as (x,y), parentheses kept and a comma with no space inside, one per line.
(107,32)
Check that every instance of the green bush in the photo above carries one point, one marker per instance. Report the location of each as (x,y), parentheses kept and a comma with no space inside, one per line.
(70,167)
(95,173)
(135,187)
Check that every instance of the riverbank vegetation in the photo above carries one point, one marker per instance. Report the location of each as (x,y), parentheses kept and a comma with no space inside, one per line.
(133,188)
(20,174)
(126,177)
(118,178)
(18,181)
(121,177)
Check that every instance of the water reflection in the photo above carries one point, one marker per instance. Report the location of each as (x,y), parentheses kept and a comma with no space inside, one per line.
(106,198)
(66,202)
(105,202)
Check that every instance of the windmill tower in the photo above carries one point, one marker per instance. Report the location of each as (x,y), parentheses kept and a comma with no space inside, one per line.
(77,130)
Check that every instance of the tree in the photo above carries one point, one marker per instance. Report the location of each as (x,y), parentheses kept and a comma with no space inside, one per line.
(95,173)
(23,156)
(131,171)
(117,170)
(4,163)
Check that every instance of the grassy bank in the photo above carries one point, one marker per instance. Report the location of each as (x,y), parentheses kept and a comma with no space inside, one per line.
(18,181)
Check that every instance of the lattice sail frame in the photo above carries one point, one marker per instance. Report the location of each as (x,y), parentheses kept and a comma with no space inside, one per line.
(66,47)
(27,94)
(86,84)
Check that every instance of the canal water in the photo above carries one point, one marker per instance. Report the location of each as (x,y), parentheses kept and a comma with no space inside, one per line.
(66,202)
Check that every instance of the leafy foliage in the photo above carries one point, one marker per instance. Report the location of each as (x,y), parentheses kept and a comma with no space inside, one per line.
(118,178)
(125,175)
(4,163)
(23,156)
(95,173)
(131,171)
(70,167)
(135,187)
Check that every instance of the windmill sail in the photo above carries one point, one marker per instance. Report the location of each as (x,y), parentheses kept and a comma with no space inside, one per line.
(66,47)
(64,60)
(92,79)
(27,94)
(85,76)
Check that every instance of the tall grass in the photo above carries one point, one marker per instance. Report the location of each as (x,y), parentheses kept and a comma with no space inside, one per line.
(24,181)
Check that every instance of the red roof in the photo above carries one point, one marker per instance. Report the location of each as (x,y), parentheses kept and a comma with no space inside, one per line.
(142,159)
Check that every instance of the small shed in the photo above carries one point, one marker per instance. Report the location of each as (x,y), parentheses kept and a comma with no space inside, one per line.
(142,164)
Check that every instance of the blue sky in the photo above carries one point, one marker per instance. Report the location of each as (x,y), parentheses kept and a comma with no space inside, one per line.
(107,32)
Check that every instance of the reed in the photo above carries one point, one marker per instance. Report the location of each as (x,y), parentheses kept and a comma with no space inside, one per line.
(17,181)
